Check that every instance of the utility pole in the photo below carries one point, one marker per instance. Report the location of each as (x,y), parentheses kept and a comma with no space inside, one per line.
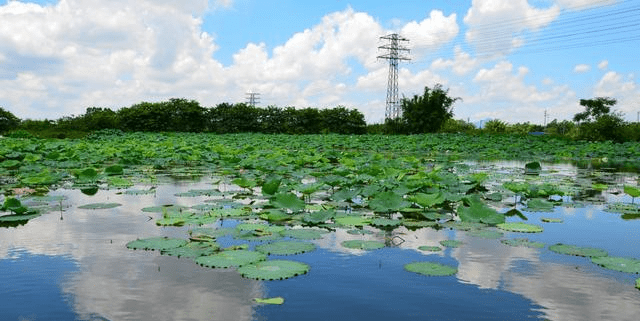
(545,118)
(394,54)
(253,98)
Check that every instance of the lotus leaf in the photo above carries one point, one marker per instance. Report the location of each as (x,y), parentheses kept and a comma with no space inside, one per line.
(622,264)
(277,300)
(464,226)
(193,249)
(363,245)
(99,206)
(114,170)
(632,191)
(577,250)
(18,217)
(171,221)
(270,187)
(352,220)
(156,243)
(385,222)
(486,234)
(623,208)
(140,191)
(211,232)
(304,233)
(387,202)
(164,208)
(539,205)
(428,248)
(430,269)
(523,242)
(359,232)
(345,194)
(638,284)
(412,223)
(318,216)
(232,212)
(273,270)
(276,216)
(285,248)
(478,212)
(288,201)
(532,168)
(520,227)
(551,220)
(451,243)
(231,258)
(427,200)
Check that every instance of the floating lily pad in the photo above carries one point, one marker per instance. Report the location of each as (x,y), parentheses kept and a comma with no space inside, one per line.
(428,248)
(363,245)
(285,248)
(99,206)
(273,270)
(352,220)
(171,221)
(234,258)
(385,222)
(156,243)
(359,232)
(577,250)
(193,249)
(430,269)
(276,301)
(520,227)
(638,284)
(464,226)
(523,242)
(551,220)
(418,224)
(622,264)
(288,201)
(304,233)
(539,205)
(486,234)
(164,208)
(451,243)
(140,191)
(211,232)
(18,217)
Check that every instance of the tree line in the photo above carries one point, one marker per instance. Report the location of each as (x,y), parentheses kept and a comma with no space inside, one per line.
(182,115)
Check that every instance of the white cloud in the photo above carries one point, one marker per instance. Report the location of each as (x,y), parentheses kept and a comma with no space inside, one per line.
(431,33)
(603,65)
(461,64)
(624,89)
(583,4)
(494,25)
(581,68)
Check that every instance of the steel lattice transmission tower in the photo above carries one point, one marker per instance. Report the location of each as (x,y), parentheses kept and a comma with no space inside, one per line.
(395,52)
(253,99)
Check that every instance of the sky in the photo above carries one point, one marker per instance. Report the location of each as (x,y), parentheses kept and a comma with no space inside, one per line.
(513,60)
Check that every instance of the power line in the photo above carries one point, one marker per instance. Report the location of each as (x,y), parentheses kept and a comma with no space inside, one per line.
(395,54)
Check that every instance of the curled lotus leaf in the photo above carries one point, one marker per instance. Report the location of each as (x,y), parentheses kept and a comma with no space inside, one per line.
(622,264)
(359,232)
(99,206)
(577,250)
(385,222)
(451,243)
(277,300)
(285,248)
(288,201)
(551,220)
(523,242)
(273,270)
(412,223)
(486,234)
(304,233)
(363,245)
(431,269)
(520,227)
(193,249)
(233,258)
(318,216)
(156,243)
(428,248)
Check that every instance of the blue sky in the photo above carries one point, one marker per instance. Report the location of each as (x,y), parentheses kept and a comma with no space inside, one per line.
(506,59)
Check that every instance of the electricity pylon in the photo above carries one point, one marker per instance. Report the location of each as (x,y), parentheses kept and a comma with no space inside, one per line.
(253,99)
(395,53)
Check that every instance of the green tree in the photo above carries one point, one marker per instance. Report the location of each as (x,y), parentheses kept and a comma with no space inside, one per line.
(8,121)
(594,108)
(598,122)
(495,126)
(427,113)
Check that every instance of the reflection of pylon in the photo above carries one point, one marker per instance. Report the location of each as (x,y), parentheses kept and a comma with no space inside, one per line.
(394,55)
(253,99)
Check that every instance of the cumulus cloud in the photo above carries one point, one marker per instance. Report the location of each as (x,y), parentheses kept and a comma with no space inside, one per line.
(431,33)
(581,68)
(603,65)
(462,63)
(584,4)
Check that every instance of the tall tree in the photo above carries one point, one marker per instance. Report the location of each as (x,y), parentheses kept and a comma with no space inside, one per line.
(427,113)
(8,121)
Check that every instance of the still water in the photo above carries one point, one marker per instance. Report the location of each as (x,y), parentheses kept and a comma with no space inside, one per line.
(73,265)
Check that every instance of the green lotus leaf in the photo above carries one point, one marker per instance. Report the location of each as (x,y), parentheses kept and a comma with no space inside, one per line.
(277,300)
(304,233)
(464,226)
(156,243)
(428,248)
(244,182)
(18,217)
(140,191)
(359,232)
(114,170)
(318,216)
(119,182)
(352,220)
(88,174)
(479,212)
(520,227)
(577,250)
(516,187)
(10,164)
(523,242)
(427,200)
(270,187)
(430,269)
(551,220)
(362,245)
(289,201)
(599,187)
(451,243)
(212,232)
(622,264)
(164,208)
(418,224)
(171,221)
(623,208)
(193,249)
(486,234)
(233,258)
(205,207)
(632,191)
(638,283)
(385,222)
(273,270)
(285,248)
(99,206)
(232,212)
(276,216)
(345,194)
(539,205)
(532,168)
(258,232)
(385,202)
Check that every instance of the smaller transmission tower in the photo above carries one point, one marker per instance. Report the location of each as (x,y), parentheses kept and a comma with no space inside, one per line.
(394,54)
(253,99)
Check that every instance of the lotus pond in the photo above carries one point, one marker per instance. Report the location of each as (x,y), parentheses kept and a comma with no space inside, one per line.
(263,227)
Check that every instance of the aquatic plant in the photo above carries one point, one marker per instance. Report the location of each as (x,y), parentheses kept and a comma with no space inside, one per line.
(273,270)
(431,269)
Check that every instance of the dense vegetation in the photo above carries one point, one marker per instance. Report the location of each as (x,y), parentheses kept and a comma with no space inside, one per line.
(432,112)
